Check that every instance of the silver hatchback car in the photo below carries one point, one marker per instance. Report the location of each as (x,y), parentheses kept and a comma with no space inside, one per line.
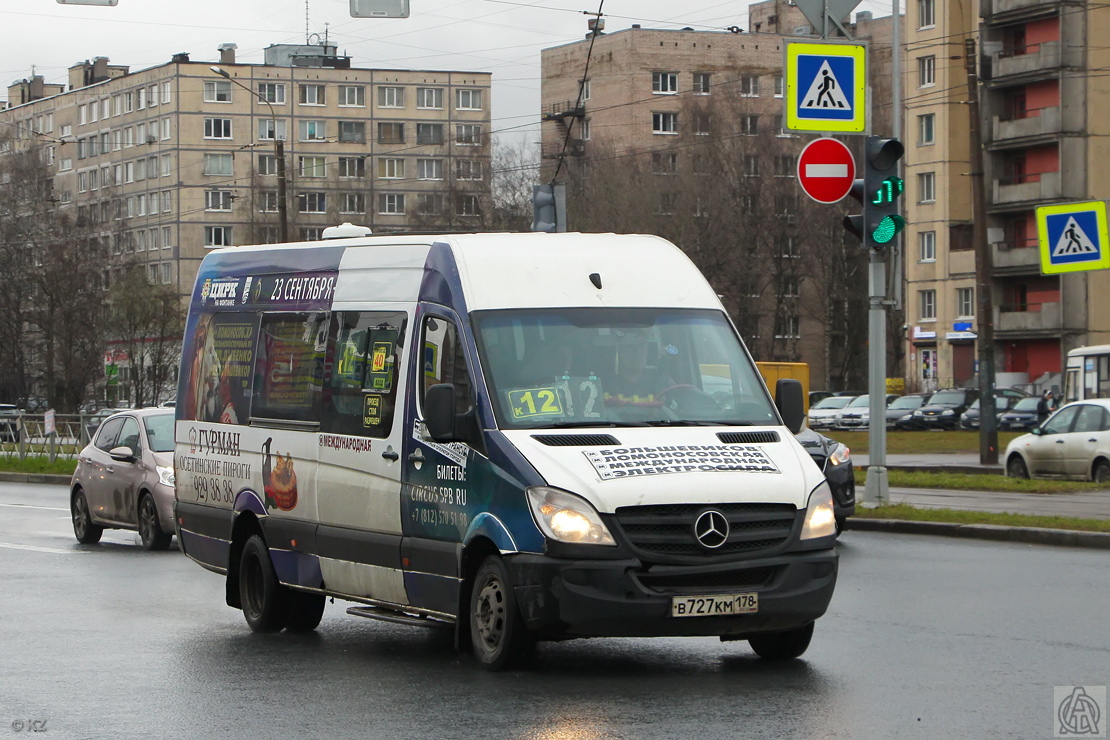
(124,479)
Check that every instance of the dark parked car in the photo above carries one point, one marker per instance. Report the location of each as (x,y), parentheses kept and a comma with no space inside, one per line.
(1022,417)
(835,461)
(1002,403)
(899,414)
(943,409)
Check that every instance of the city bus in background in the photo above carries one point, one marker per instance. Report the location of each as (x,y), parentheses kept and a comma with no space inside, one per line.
(1087,373)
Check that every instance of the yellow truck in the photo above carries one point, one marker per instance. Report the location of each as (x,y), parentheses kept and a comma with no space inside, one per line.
(773,371)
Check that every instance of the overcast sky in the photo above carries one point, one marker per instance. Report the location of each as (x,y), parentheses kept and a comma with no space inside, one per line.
(503,37)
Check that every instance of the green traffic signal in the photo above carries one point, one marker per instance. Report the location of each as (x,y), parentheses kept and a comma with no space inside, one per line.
(887,229)
(890,189)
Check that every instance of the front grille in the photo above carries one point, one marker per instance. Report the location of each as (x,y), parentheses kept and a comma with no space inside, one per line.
(667,530)
(697,583)
(748,438)
(577,440)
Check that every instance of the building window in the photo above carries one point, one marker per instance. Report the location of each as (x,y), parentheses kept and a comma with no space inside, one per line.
(391,97)
(585,91)
(214,164)
(664,83)
(429,169)
(268,201)
(664,123)
(786,327)
(965,302)
(467,205)
(788,286)
(391,133)
(352,131)
(927,300)
(926,187)
(353,96)
(703,123)
(166,87)
(313,167)
(165,130)
(927,246)
(701,83)
(926,71)
(312,130)
(466,99)
(311,234)
(217,236)
(749,86)
(267,130)
(749,125)
(217,200)
(391,204)
(468,169)
(926,14)
(313,95)
(215,91)
(429,133)
(391,169)
(429,97)
(216,128)
(353,203)
(926,129)
(429,203)
(267,164)
(785,165)
(778,86)
(311,202)
(751,165)
(272,92)
(468,134)
(790,249)
(352,167)
(664,163)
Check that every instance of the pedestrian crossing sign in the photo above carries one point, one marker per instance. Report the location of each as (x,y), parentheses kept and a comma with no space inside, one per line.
(1073,237)
(826,87)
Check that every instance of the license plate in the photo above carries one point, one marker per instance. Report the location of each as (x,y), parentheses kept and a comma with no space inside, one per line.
(714,606)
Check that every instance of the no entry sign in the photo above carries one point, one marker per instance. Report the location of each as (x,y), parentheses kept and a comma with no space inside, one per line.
(826,170)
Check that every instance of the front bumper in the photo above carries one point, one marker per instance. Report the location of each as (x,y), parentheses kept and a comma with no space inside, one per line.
(561,598)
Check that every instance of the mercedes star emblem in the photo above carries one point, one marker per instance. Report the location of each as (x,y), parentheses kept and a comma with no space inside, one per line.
(711,529)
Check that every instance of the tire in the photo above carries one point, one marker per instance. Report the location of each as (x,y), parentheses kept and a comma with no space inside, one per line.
(150,531)
(782,645)
(497,630)
(265,601)
(84,530)
(840,523)
(1102,472)
(305,611)
(1015,467)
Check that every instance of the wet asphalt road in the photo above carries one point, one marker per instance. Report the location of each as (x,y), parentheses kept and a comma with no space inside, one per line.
(925,638)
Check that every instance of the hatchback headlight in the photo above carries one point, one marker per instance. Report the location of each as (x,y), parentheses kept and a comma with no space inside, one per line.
(947,412)
(820,518)
(919,412)
(165,476)
(840,455)
(565,517)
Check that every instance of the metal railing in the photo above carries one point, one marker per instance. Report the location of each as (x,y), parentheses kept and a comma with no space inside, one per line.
(25,435)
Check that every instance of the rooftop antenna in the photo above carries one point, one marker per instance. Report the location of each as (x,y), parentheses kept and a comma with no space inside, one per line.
(306,21)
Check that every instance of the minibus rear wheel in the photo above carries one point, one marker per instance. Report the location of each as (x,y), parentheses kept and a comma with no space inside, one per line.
(497,630)
(265,601)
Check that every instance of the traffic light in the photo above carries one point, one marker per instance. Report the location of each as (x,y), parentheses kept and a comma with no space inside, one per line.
(878,191)
(882,188)
(549,207)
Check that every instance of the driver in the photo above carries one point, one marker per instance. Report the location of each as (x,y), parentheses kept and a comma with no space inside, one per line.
(633,381)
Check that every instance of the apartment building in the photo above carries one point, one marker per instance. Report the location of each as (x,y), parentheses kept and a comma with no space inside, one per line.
(165,163)
(668,97)
(1044,124)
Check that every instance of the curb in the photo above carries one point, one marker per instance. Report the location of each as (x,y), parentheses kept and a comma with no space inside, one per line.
(1028,535)
(60,480)
(980,469)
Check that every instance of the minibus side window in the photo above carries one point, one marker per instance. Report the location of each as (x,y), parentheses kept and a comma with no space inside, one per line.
(220,368)
(445,362)
(360,391)
(289,366)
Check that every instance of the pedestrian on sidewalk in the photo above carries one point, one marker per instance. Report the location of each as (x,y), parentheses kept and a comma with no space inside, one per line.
(1045,406)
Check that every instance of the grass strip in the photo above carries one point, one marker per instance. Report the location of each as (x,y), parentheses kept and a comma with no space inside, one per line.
(979,482)
(953,516)
(37,464)
(921,443)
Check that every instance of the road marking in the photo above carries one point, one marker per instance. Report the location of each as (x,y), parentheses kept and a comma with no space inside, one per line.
(33,506)
(35,548)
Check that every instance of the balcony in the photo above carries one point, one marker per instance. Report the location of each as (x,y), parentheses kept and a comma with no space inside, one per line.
(1011,9)
(1046,187)
(574,148)
(1039,318)
(565,109)
(1048,124)
(1039,62)
(1023,259)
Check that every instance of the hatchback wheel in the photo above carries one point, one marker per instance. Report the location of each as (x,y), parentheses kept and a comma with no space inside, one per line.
(1015,468)
(86,532)
(1102,472)
(149,529)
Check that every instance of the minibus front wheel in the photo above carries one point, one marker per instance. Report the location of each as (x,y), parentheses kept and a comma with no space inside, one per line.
(497,631)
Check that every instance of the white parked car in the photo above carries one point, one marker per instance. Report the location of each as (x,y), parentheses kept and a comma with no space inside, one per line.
(822,415)
(1072,443)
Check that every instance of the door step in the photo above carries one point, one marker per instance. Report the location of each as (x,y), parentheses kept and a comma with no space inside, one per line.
(388,615)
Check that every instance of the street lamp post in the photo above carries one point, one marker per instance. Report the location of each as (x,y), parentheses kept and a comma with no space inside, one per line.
(279,154)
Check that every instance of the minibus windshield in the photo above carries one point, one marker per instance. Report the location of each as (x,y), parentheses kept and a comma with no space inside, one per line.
(583,367)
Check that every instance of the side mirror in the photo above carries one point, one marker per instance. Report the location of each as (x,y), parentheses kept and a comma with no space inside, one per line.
(1037,431)
(439,412)
(122,454)
(789,399)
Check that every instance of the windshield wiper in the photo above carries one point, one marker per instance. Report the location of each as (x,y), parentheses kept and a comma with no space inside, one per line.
(585,424)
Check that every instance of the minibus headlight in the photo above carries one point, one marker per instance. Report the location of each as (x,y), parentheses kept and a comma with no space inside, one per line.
(165,476)
(565,517)
(820,519)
